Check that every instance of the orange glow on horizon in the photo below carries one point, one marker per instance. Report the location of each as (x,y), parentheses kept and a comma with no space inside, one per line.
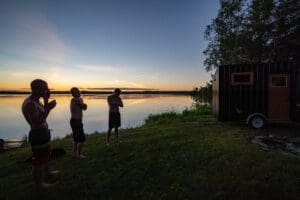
(54,87)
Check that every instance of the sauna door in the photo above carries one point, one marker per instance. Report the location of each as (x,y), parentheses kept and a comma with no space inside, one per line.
(279,97)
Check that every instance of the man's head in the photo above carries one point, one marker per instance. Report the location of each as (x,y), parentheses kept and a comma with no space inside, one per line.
(117,91)
(39,87)
(75,92)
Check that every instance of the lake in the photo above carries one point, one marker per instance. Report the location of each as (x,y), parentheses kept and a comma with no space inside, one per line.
(135,111)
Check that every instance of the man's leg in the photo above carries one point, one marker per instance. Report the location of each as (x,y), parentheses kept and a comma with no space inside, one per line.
(46,170)
(75,149)
(108,136)
(79,147)
(117,134)
(81,140)
(48,175)
(37,172)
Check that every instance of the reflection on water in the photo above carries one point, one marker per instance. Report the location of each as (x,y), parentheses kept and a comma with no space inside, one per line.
(136,109)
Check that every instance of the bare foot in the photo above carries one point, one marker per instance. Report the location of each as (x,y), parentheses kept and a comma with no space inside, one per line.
(81,156)
(54,172)
(45,186)
(51,176)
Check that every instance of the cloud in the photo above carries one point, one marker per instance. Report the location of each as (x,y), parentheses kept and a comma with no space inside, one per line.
(23,74)
(33,35)
(147,76)
(52,74)
(100,68)
(123,83)
(123,88)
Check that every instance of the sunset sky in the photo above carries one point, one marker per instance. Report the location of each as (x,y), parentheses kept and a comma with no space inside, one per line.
(114,43)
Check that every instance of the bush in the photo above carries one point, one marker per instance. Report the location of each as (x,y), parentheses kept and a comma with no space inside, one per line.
(154,119)
(24,140)
(191,114)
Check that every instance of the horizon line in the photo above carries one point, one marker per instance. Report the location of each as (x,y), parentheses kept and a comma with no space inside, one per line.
(100,91)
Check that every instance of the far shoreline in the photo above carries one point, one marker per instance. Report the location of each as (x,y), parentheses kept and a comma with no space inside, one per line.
(104,92)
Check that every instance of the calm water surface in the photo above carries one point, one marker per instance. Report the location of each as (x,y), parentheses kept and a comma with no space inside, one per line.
(136,109)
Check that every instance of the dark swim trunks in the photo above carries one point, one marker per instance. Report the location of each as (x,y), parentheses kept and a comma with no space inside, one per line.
(114,120)
(77,129)
(40,145)
(39,138)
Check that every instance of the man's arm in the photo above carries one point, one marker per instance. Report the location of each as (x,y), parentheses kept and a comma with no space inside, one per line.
(121,102)
(82,105)
(35,117)
(48,105)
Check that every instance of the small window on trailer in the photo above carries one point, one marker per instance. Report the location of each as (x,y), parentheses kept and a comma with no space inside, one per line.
(279,81)
(242,78)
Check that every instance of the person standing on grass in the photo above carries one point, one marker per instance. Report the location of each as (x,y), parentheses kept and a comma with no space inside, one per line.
(114,121)
(76,107)
(36,113)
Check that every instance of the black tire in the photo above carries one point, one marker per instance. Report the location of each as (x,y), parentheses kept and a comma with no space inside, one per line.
(257,122)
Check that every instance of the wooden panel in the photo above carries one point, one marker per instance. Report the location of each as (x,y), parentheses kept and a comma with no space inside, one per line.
(279,97)
(297,114)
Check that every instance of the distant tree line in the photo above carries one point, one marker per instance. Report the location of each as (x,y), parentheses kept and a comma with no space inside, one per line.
(246,31)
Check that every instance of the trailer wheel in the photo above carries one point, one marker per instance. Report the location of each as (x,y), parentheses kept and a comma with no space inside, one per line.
(257,122)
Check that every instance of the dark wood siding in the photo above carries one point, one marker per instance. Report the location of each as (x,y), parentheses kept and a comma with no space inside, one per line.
(297,80)
(237,102)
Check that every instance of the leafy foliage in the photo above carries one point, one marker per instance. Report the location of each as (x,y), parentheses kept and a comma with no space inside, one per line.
(202,95)
(253,31)
(191,114)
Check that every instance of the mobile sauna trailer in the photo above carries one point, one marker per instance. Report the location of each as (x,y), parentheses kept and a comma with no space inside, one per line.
(257,93)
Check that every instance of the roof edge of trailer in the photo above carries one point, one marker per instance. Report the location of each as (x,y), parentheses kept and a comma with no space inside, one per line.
(255,63)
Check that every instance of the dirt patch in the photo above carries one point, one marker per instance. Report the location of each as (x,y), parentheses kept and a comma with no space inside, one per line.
(283,144)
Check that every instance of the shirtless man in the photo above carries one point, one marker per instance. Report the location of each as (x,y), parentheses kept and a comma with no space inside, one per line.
(114,102)
(76,107)
(36,114)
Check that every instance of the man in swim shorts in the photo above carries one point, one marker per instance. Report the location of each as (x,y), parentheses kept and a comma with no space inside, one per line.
(114,121)
(36,114)
(76,107)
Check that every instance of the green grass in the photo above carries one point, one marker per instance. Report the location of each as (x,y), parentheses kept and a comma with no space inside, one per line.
(173,156)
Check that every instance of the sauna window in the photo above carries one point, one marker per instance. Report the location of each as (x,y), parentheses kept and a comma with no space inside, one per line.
(279,81)
(243,78)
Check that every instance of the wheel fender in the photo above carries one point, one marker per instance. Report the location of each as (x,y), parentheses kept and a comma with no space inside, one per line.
(254,114)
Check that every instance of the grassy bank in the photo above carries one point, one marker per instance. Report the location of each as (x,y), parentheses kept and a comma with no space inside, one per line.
(173,156)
